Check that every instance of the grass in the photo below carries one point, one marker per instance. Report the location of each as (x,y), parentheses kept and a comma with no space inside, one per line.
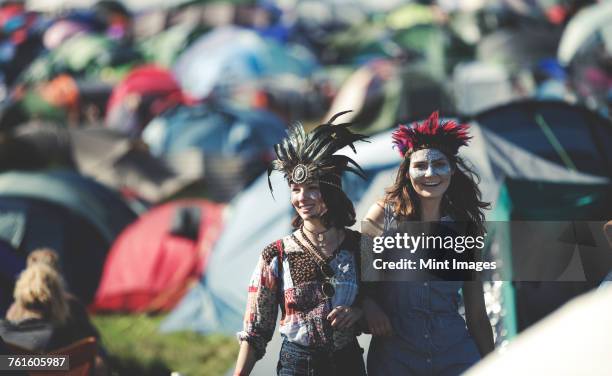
(137,348)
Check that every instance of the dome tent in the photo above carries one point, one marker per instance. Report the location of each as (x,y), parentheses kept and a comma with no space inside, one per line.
(153,261)
(63,210)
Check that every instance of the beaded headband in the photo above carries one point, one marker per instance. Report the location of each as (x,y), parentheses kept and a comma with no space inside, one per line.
(305,158)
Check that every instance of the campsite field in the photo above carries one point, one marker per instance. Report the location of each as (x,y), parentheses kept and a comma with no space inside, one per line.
(137,348)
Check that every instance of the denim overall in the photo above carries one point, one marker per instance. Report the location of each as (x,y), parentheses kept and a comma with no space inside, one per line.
(429,335)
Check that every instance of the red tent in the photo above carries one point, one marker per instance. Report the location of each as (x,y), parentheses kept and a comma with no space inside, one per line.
(155,259)
(144,93)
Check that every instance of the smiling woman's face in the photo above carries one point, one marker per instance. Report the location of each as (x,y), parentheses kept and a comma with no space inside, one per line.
(307,200)
(430,173)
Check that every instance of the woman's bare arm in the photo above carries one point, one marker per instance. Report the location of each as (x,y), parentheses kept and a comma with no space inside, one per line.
(246,360)
(476,317)
(375,220)
(377,321)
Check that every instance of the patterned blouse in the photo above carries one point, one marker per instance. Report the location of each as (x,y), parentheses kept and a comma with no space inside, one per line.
(304,307)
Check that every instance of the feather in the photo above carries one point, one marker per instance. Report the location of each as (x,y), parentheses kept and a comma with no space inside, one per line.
(316,150)
(448,136)
(333,118)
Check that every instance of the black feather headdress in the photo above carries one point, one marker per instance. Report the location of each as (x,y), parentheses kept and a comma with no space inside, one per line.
(309,157)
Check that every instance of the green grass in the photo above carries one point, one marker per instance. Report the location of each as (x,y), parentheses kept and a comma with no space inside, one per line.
(137,348)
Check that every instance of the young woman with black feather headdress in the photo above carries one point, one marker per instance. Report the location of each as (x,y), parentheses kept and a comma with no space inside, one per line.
(312,274)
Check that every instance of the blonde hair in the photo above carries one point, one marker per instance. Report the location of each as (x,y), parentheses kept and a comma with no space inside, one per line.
(45,255)
(40,289)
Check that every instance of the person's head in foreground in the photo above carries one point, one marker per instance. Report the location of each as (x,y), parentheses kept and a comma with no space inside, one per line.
(39,294)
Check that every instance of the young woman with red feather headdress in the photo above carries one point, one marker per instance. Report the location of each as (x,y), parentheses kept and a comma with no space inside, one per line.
(416,326)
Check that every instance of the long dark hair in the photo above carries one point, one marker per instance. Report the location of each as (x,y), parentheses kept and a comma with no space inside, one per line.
(340,210)
(462,200)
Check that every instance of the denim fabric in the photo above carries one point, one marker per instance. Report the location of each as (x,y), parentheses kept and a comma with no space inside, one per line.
(298,360)
(430,336)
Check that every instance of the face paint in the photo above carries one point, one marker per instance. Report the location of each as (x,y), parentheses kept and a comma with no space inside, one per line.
(313,194)
(307,200)
(426,163)
(430,172)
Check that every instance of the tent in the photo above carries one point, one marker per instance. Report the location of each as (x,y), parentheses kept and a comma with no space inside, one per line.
(214,128)
(229,55)
(104,154)
(567,135)
(113,159)
(216,304)
(63,210)
(585,49)
(152,262)
(58,6)
(225,145)
(478,86)
(384,93)
(12,264)
(571,183)
(163,47)
(144,93)
(21,41)
(520,46)
(97,53)
(589,24)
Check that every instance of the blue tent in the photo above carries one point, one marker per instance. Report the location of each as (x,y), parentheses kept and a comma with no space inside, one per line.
(230,56)
(226,146)
(215,129)
(565,134)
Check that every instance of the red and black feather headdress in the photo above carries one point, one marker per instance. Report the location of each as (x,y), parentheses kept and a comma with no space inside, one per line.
(306,157)
(447,136)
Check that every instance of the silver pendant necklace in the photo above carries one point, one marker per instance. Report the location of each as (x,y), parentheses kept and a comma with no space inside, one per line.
(319,237)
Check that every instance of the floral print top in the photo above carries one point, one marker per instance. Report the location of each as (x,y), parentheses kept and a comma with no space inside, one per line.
(304,307)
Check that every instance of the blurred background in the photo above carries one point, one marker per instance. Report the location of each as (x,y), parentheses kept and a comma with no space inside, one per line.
(135,135)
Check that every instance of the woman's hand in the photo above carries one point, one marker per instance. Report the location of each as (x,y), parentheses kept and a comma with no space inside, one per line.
(377,320)
(343,317)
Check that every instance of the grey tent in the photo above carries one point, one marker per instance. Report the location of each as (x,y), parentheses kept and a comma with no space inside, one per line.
(103,154)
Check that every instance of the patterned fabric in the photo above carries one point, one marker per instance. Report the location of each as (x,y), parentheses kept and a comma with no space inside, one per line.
(305,308)
(430,336)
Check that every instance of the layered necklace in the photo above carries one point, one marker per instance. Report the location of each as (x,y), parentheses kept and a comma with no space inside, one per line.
(318,249)
(320,237)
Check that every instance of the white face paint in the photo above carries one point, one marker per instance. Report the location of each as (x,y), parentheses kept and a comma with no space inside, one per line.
(430,172)
(307,200)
